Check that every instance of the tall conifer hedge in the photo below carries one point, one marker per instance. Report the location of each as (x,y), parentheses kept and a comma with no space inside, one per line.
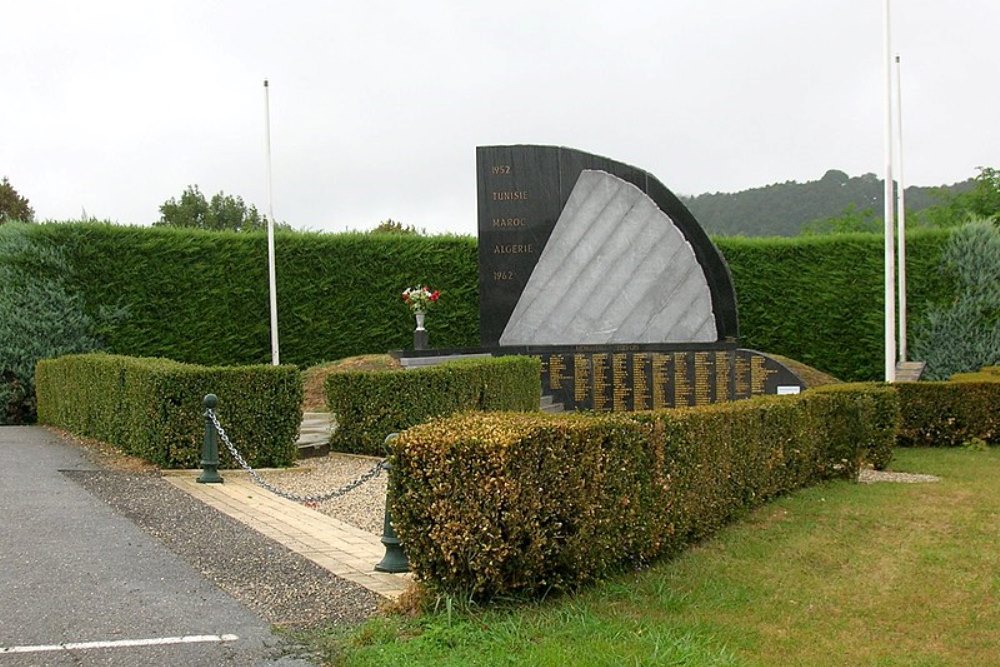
(201,297)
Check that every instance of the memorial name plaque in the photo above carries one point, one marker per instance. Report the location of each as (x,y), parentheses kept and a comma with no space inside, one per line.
(626,378)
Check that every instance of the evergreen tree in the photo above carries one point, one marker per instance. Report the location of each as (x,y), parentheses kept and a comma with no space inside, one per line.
(12,205)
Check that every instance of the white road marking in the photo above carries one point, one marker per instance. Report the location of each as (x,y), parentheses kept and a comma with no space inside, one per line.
(120,643)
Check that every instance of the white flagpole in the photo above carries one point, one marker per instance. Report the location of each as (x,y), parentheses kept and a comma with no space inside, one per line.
(890,296)
(272,283)
(900,215)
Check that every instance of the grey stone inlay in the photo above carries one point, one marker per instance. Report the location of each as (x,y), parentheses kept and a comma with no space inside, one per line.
(615,270)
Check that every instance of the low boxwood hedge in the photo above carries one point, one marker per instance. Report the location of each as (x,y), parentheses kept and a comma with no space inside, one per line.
(874,406)
(950,414)
(368,406)
(152,408)
(495,504)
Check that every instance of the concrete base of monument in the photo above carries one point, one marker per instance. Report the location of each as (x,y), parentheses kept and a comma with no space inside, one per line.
(630,377)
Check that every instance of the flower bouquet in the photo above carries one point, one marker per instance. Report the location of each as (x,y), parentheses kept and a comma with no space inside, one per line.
(420,299)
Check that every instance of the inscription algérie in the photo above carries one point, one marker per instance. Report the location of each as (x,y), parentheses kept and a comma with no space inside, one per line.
(513,249)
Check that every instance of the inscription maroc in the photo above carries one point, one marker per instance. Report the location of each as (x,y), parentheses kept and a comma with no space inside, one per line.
(513,248)
(504,223)
(510,195)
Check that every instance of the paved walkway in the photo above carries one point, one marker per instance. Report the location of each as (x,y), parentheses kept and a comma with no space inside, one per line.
(348,552)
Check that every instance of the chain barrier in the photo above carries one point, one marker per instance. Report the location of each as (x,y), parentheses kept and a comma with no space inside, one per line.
(374,472)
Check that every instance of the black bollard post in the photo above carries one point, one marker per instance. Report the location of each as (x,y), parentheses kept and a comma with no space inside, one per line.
(210,448)
(394,559)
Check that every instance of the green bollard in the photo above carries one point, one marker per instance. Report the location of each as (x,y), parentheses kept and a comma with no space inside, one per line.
(210,449)
(394,559)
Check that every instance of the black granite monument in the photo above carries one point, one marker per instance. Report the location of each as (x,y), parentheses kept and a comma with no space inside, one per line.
(597,269)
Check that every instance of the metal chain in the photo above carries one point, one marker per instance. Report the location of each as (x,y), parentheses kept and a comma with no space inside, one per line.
(374,472)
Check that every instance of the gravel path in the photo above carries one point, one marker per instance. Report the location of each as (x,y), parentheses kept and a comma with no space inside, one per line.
(869,476)
(281,586)
(363,508)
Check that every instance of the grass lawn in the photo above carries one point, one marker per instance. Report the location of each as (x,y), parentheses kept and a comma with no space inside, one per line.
(840,574)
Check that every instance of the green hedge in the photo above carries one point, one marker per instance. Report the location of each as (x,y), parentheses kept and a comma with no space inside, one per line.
(494,504)
(862,414)
(152,408)
(815,299)
(949,414)
(368,406)
(819,299)
(207,300)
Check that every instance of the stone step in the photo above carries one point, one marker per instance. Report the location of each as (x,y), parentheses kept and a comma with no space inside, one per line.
(410,363)
(548,404)
(314,434)
(909,371)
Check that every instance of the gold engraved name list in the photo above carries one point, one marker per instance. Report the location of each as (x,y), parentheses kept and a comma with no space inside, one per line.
(557,371)
(682,383)
(640,387)
(600,382)
(581,378)
(619,382)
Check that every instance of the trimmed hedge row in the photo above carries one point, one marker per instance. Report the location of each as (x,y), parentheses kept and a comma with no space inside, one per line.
(152,408)
(950,414)
(495,504)
(368,406)
(819,299)
(815,299)
(866,415)
(207,301)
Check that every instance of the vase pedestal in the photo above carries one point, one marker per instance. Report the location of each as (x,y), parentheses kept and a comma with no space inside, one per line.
(420,335)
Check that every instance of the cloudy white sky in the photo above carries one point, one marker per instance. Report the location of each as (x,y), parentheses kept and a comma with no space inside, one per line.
(376,108)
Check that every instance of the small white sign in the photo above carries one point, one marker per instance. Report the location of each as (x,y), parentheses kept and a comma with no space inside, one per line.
(788,389)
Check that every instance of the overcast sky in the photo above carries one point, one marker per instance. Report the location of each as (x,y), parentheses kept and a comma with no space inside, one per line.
(377,107)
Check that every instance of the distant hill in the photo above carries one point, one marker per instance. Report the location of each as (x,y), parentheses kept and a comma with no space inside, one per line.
(782,209)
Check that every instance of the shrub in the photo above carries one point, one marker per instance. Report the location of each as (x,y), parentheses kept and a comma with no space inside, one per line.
(495,504)
(948,414)
(152,408)
(40,317)
(861,414)
(963,334)
(367,406)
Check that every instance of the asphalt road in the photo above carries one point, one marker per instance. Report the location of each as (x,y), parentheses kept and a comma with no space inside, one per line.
(74,571)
